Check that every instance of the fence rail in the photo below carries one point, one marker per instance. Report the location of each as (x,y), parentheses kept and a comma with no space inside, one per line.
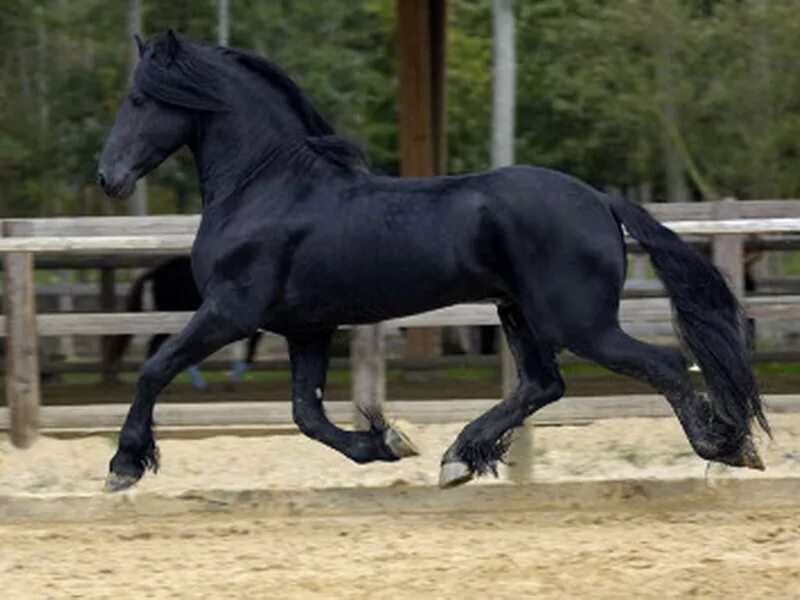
(632,311)
(726,223)
(183,242)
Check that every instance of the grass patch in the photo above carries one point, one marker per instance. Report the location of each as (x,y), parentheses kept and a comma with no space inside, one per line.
(343,376)
(471,373)
(777,368)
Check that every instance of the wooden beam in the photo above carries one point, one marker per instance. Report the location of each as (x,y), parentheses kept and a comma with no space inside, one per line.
(567,411)
(416,118)
(633,311)
(438,41)
(22,353)
(421,51)
(188,224)
(727,251)
(182,243)
(368,368)
(102,226)
(88,245)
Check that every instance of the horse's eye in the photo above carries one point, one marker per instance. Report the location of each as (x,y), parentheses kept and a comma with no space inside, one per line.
(137,100)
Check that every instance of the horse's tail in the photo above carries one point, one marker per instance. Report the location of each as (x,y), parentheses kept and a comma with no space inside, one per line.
(133,303)
(710,320)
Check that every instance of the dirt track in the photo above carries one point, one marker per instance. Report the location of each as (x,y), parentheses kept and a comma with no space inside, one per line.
(609,449)
(516,555)
(624,551)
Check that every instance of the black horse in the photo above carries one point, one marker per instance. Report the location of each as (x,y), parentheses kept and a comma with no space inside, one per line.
(174,289)
(298,237)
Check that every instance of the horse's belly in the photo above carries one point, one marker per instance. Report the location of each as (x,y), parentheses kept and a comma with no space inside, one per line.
(367,290)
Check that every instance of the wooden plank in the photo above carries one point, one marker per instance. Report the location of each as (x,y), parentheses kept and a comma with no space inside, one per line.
(87,245)
(103,226)
(188,224)
(749,209)
(22,353)
(735,226)
(567,411)
(634,311)
(152,258)
(368,369)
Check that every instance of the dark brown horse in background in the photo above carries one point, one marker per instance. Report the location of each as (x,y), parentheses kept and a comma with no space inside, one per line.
(174,290)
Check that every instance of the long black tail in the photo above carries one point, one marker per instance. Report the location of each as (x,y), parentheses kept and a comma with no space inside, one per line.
(709,319)
(133,303)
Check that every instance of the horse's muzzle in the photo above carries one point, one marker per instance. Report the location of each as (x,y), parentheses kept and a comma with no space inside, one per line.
(115,189)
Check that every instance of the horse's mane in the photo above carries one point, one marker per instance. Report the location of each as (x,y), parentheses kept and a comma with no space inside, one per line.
(191,78)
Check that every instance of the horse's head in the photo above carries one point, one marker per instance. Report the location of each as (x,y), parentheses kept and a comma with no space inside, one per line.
(147,129)
(231,107)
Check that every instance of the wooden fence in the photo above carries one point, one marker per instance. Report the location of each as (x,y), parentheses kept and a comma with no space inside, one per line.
(66,241)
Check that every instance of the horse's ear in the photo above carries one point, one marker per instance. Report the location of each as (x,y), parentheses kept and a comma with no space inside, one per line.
(173,43)
(140,44)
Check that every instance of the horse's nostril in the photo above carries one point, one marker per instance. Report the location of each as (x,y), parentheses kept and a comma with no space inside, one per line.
(101,179)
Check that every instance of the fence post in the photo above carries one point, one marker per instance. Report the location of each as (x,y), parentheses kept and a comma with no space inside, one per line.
(368,370)
(66,343)
(520,454)
(22,352)
(108,303)
(727,251)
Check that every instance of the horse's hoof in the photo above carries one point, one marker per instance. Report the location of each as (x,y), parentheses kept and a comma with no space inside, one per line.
(749,456)
(453,474)
(117,483)
(746,456)
(399,443)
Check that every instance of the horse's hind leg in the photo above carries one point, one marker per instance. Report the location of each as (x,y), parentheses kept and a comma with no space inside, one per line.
(482,443)
(309,356)
(665,370)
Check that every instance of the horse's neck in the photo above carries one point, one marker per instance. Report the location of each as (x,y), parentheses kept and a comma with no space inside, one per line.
(229,150)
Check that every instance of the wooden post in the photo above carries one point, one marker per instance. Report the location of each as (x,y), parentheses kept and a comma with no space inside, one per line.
(368,370)
(520,454)
(22,352)
(66,344)
(728,249)
(108,303)
(421,50)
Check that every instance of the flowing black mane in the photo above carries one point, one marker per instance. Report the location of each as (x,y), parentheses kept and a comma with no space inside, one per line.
(194,78)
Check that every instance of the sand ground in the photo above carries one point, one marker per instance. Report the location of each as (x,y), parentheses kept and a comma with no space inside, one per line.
(608,449)
(754,554)
(624,553)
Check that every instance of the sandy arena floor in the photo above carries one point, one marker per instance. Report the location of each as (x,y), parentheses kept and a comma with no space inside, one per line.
(753,554)
(609,449)
(624,553)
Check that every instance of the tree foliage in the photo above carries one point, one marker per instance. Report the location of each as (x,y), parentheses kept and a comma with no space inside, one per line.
(589,96)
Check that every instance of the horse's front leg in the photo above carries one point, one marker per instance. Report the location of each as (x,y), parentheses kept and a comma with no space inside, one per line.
(309,355)
(205,333)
